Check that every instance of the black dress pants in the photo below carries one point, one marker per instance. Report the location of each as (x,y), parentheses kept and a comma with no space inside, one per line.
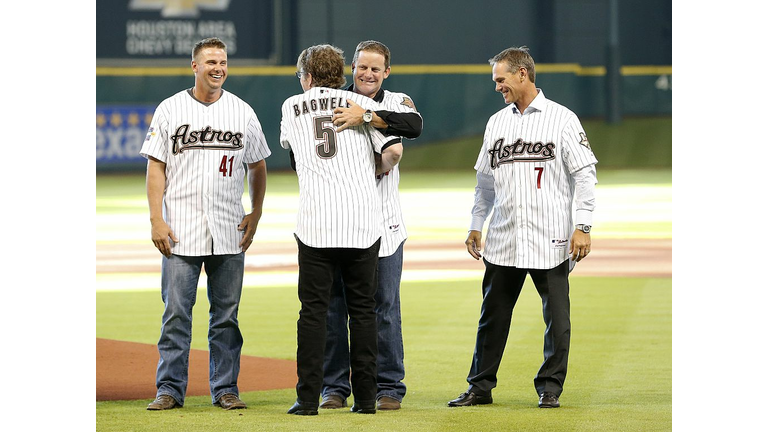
(317,267)
(501,289)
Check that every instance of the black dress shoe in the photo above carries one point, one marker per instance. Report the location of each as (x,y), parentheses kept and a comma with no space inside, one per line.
(470,398)
(549,400)
(364,408)
(302,409)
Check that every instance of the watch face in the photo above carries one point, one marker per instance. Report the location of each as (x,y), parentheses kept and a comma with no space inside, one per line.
(586,228)
(368,116)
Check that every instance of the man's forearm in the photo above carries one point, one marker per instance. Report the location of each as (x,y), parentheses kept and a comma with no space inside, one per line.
(389,158)
(257,184)
(406,125)
(155,188)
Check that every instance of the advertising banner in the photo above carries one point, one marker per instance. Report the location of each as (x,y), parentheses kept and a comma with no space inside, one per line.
(152,29)
(120,132)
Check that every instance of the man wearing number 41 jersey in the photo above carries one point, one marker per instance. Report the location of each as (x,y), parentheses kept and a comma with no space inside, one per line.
(200,145)
(339,225)
(536,177)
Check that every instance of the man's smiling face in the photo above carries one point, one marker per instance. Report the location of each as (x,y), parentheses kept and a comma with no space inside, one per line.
(210,67)
(369,72)
(508,83)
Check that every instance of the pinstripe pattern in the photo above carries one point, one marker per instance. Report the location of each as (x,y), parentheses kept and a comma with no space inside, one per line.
(394,226)
(338,202)
(202,205)
(531,222)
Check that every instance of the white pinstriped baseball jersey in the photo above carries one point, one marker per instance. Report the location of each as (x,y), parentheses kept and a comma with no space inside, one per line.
(204,147)
(532,158)
(387,184)
(339,205)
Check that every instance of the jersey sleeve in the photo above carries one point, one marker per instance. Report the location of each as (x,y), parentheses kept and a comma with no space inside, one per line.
(285,130)
(399,112)
(483,164)
(258,148)
(577,152)
(156,142)
(380,141)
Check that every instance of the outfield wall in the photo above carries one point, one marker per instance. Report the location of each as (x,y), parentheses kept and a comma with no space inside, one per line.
(455,101)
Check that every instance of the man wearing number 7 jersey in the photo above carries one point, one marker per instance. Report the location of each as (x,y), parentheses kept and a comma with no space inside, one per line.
(199,146)
(339,224)
(536,176)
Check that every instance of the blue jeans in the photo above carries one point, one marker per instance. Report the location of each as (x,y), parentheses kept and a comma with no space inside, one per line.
(391,369)
(180,275)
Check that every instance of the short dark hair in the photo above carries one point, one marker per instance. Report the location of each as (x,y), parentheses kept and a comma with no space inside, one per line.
(373,46)
(326,65)
(516,57)
(211,42)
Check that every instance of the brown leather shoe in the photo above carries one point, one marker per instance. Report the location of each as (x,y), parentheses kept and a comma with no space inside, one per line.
(230,401)
(387,403)
(549,400)
(163,402)
(333,402)
(469,398)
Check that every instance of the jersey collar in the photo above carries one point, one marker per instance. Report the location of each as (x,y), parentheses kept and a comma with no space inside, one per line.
(191,93)
(537,103)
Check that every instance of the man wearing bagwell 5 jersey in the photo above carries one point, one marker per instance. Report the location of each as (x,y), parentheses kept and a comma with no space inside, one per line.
(339,224)
(395,115)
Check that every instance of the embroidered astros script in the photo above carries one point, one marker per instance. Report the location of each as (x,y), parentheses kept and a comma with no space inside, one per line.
(184,139)
(520,151)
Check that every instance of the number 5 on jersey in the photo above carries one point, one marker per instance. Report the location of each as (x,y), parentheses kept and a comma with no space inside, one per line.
(325,132)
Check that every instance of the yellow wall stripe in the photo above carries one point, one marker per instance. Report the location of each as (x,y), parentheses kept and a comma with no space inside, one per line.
(572,68)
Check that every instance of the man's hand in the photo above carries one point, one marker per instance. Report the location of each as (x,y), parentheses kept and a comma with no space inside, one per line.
(248,226)
(161,233)
(581,245)
(473,244)
(344,118)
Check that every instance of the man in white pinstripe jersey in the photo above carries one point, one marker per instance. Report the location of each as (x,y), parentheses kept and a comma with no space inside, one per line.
(339,223)
(198,146)
(396,115)
(535,166)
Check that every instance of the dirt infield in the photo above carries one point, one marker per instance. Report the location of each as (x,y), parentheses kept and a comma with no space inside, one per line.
(126,370)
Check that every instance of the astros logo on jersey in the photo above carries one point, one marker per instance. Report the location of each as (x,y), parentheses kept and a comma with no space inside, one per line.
(408,102)
(184,139)
(584,141)
(520,151)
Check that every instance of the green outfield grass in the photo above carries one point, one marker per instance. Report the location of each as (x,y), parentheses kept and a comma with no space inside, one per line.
(620,370)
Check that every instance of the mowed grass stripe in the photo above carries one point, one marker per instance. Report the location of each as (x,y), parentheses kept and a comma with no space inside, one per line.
(619,371)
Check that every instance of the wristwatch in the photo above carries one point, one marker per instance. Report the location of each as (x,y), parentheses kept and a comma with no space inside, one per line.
(584,228)
(367,116)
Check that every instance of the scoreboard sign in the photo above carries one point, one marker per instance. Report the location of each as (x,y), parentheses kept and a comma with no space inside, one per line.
(147,29)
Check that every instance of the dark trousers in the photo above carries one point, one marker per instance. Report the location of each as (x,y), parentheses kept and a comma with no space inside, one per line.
(501,289)
(317,267)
